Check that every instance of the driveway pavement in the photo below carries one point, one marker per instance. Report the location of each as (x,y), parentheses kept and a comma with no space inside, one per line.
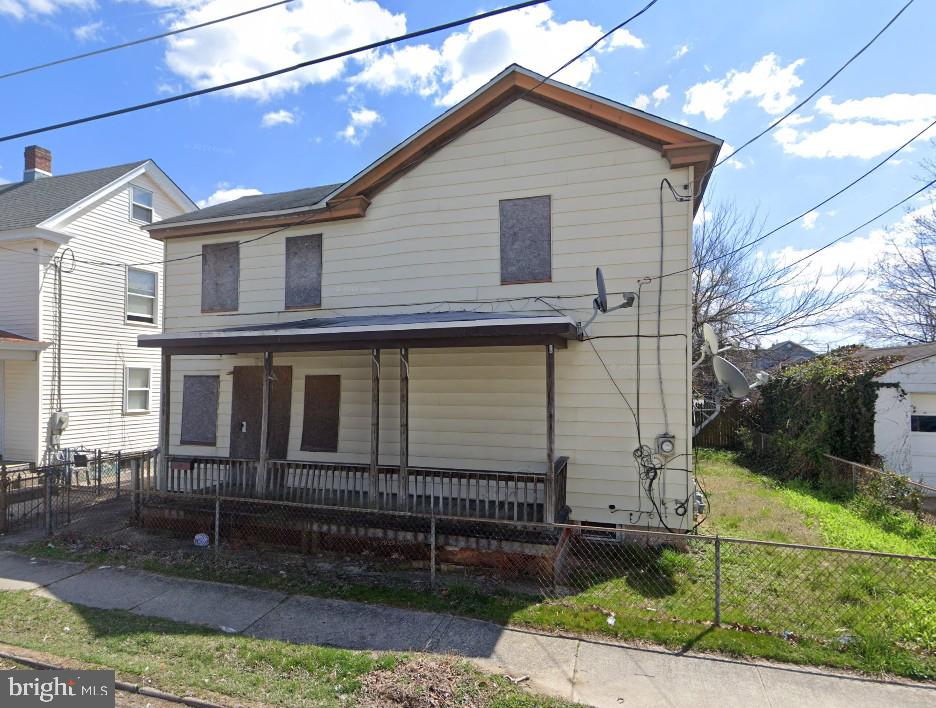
(588,671)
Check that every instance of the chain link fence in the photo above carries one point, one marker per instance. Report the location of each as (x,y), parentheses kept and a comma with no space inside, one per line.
(596,574)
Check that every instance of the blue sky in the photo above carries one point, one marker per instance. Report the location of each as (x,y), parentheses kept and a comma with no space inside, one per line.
(727,68)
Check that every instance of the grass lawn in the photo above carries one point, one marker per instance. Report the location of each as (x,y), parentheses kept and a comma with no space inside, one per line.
(875,615)
(190,660)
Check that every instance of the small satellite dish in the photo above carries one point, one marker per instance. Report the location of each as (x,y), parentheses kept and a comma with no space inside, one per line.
(601,302)
(762,378)
(711,339)
(731,377)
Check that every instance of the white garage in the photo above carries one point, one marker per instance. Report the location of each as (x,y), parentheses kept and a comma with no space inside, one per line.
(905,415)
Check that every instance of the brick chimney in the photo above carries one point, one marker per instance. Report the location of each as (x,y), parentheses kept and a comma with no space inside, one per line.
(38,163)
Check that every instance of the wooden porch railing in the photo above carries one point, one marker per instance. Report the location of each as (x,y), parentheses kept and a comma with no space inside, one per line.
(481,494)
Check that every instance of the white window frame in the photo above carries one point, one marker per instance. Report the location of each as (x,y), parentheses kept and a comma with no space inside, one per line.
(149,390)
(134,203)
(127,320)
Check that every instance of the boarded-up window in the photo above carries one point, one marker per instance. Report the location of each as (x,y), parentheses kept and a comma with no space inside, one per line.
(304,271)
(220,276)
(525,240)
(199,410)
(320,417)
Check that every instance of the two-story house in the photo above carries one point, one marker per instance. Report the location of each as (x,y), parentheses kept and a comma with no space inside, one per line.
(416,337)
(79,280)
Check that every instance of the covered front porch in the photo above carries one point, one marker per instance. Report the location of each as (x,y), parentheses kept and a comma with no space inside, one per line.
(260,468)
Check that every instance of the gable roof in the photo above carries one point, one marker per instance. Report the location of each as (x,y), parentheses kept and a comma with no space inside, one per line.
(26,204)
(905,355)
(680,145)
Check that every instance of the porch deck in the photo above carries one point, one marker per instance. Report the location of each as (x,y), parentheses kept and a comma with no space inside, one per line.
(520,497)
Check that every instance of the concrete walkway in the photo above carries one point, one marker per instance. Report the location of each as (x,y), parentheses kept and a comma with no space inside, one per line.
(587,671)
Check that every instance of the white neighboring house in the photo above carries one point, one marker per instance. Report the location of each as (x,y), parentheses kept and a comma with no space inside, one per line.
(905,413)
(85,361)
(399,318)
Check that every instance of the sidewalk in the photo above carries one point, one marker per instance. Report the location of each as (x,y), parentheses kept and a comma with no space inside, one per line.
(588,671)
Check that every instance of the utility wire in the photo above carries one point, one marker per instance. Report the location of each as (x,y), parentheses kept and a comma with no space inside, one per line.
(812,95)
(269,74)
(799,216)
(142,40)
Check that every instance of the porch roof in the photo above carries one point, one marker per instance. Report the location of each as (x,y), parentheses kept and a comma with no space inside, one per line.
(421,329)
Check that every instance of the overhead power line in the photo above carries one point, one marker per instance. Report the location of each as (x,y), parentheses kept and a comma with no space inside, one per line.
(270,74)
(142,40)
(799,216)
(814,93)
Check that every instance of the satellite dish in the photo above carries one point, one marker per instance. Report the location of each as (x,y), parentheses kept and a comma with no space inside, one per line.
(762,378)
(601,302)
(731,377)
(711,339)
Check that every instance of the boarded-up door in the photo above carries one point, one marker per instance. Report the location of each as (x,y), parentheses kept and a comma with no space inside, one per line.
(247,410)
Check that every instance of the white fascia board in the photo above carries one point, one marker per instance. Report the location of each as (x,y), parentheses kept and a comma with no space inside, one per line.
(149,168)
(408,327)
(33,233)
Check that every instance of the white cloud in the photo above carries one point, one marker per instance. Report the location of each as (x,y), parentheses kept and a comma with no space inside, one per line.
(87,32)
(24,9)
(680,52)
(642,102)
(469,58)
(895,107)
(359,125)
(767,81)
(660,94)
(227,194)
(861,139)
(272,39)
(809,220)
(701,216)
(727,149)
(280,117)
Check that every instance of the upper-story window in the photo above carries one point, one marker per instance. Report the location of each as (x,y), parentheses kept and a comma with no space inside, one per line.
(141,204)
(303,271)
(220,277)
(141,296)
(525,240)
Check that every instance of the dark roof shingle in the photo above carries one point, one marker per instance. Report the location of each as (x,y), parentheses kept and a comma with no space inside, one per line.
(25,204)
(257,204)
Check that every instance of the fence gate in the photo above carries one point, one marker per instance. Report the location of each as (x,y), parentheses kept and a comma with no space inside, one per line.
(53,496)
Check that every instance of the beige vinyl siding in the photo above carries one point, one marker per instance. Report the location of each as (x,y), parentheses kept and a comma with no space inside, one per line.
(20,410)
(97,341)
(430,239)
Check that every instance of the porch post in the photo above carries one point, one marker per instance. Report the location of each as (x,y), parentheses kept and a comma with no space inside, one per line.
(549,510)
(373,489)
(265,424)
(403,481)
(162,481)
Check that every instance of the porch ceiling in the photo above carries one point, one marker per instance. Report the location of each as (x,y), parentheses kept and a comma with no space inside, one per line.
(411,330)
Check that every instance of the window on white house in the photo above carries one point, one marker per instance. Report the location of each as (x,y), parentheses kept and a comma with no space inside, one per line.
(923,423)
(138,390)
(141,204)
(141,296)
(526,240)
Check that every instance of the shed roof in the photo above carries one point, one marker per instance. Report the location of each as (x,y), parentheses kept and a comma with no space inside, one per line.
(906,354)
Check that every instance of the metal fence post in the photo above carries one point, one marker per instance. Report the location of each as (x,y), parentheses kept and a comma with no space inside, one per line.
(97,486)
(432,553)
(135,491)
(48,500)
(117,472)
(717,581)
(3,498)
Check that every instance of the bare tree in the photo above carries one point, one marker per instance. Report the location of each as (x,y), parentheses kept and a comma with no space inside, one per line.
(903,309)
(745,296)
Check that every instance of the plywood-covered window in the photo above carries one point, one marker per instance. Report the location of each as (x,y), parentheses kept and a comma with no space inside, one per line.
(220,277)
(321,414)
(199,410)
(303,271)
(525,240)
